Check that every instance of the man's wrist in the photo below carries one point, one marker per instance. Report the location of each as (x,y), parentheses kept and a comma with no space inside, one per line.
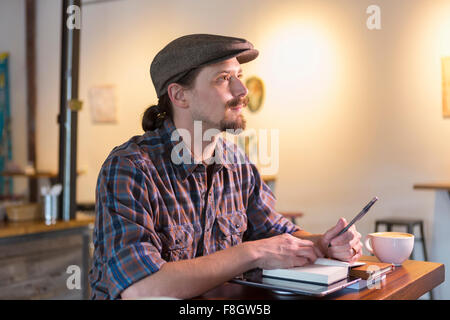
(250,250)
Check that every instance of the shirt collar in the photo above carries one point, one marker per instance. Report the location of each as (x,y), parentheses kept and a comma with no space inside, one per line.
(224,155)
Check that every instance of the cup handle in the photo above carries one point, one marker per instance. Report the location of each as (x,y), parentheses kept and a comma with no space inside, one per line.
(367,244)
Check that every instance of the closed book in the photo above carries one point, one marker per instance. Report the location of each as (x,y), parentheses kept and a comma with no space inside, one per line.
(370,270)
(323,271)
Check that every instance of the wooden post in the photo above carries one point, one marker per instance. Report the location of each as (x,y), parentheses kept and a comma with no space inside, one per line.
(31,94)
(69,106)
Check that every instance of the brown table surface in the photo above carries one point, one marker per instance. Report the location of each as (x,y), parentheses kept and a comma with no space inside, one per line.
(410,281)
(433,186)
(11,229)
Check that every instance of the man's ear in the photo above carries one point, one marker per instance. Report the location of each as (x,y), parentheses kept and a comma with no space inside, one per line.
(177,94)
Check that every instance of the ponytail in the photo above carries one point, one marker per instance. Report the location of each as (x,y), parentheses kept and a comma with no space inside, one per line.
(155,115)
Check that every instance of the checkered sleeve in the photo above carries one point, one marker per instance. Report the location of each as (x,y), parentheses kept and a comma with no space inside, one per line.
(125,234)
(263,220)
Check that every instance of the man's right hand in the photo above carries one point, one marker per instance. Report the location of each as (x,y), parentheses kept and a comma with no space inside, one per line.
(284,251)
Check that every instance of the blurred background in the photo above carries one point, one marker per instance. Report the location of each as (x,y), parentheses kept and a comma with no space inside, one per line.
(360,112)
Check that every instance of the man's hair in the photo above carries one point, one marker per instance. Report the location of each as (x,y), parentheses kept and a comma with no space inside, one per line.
(155,115)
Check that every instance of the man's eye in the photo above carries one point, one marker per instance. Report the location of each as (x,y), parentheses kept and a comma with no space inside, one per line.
(223,78)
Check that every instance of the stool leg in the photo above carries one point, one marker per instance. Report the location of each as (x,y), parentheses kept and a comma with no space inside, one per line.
(422,234)
(411,231)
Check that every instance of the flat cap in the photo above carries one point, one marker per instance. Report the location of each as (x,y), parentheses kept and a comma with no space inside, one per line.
(183,54)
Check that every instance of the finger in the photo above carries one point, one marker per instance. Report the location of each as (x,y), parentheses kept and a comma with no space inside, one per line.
(342,239)
(332,233)
(344,253)
(356,257)
(304,243)
(293,261)
(310,252)
(346,250)
(356,240)
(300,261)
(341,249)
(358,248)
(307,252)
(318,252)
(293,239)
(357,252)
(348,255)
(351,236)
(353,240)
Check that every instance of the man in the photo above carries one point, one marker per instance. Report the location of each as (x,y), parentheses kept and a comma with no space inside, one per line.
(178,214)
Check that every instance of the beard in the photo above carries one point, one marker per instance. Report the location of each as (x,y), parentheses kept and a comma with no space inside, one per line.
(236,125)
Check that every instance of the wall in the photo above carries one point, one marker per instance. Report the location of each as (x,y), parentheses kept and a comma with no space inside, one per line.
(359,111)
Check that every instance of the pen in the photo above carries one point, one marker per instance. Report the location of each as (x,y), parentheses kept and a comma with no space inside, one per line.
(358,216)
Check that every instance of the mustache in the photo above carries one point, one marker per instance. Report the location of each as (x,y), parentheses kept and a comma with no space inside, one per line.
(237,101)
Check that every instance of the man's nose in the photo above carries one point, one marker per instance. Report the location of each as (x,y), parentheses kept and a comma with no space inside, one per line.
(238,88)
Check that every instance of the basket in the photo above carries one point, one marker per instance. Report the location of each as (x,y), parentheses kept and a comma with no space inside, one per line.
(24,212)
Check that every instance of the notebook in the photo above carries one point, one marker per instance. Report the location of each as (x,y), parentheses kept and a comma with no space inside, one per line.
(323,271)
(371,270)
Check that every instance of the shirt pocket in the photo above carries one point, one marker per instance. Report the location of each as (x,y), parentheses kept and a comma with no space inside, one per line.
(177,242)
(230,229)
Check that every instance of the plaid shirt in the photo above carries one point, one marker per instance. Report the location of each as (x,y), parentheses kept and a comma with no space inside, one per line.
(151,209)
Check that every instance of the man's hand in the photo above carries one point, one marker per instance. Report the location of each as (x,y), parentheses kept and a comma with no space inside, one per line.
(346,247)
(191,277)
(285,251)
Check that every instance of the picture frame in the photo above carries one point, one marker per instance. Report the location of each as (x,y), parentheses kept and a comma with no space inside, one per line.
(256,93)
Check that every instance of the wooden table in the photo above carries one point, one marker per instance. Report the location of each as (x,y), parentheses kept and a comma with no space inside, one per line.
(441,224)
(410,281)
(12,229)
(34,258)
(292,215)
(433,186)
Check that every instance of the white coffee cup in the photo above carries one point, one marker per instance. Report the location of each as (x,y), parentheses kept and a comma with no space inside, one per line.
(390,247)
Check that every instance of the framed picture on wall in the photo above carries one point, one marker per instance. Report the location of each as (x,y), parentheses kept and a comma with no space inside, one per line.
(256,93)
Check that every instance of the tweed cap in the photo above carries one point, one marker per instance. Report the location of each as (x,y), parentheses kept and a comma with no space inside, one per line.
(183,54)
